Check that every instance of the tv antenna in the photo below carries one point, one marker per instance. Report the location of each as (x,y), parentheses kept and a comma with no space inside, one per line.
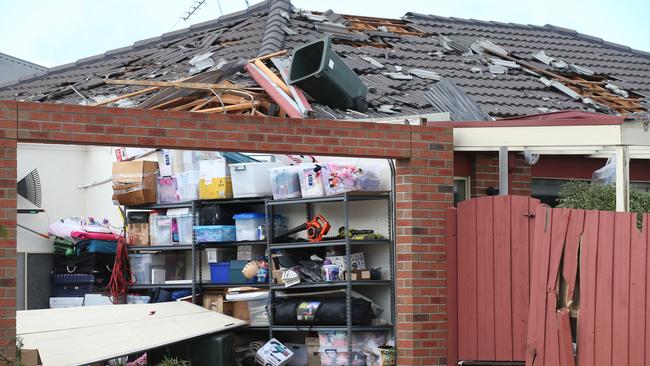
(196,5)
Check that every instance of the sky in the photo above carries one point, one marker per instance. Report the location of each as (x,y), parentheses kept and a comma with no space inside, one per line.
(55,32)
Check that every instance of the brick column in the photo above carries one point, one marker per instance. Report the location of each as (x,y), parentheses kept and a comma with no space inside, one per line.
(485,173)
(8,225)
(424,192)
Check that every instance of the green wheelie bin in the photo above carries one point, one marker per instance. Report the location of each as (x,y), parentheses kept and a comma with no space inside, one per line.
(317,70)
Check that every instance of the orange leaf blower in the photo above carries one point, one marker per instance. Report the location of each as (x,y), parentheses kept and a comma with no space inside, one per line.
(316,229)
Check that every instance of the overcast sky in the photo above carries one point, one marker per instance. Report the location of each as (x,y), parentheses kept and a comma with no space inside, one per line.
(51,32)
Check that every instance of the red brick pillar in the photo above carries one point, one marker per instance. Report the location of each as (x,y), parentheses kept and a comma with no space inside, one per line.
(8,224)
(485,174)
(424,192)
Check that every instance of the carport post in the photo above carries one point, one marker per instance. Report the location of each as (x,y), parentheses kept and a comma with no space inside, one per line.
(622,179)
(503,170)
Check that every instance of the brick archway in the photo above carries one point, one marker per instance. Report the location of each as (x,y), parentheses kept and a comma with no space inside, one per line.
(424,168)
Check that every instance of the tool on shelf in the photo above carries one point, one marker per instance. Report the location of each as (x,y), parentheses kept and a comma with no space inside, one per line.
(316,229)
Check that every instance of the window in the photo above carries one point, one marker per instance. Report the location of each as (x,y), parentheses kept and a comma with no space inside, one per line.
(461,189)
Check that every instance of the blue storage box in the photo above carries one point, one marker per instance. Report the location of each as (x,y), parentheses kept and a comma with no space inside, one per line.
(215,233)
(220,272)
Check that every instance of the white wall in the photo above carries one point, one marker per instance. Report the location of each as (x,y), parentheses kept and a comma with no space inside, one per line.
(61,169)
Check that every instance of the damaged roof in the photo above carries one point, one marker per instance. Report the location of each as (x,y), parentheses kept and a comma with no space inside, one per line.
(399,60)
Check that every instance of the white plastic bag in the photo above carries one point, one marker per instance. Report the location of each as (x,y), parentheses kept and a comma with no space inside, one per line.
(607,174)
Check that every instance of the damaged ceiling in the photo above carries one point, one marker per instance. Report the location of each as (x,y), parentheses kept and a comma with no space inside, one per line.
(505,69)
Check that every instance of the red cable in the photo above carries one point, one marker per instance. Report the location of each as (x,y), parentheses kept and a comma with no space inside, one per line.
(121,278)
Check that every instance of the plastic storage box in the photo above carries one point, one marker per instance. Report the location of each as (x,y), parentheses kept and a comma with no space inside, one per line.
(285,182)
(142,264)
(338,178)
(220,272)
(135,299)
(311,180)
(251,179)
(184,229)
(167,190)
(160,230)
(188,185)
(214,181)
(214,233)
(258,315)
(247,225)
(217,255)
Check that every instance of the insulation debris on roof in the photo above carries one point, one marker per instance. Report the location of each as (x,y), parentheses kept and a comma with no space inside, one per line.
(427,47)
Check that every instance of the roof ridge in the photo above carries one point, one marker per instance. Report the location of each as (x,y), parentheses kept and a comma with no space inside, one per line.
(555,28)
(273,38)
(231,17)
(22,62)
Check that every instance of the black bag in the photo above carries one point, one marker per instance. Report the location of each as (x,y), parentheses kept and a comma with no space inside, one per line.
(326,311)
(87,263)
(76,284)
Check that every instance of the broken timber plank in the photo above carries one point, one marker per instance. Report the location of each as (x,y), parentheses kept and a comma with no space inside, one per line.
(173,84)
(565,338)
(570,259)
(587,316)
(229,108)
(124,96)
(268,56)
(272,76)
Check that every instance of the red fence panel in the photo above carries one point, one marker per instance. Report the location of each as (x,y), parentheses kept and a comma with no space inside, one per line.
(489,278)
(613,289)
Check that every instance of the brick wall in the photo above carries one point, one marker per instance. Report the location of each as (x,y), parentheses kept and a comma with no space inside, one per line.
(8,224)
(485,174)
(424,186)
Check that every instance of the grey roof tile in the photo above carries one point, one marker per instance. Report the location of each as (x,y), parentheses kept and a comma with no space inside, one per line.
(245,33)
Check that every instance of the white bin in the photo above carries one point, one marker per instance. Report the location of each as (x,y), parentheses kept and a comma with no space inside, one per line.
(251,179)
(247,223)
(285,182)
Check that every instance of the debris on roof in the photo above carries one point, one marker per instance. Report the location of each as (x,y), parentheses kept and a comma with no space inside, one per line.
(425,74)
(372,61)
(617,90)
(388,108)
(459,50)
(497,69)
(445,96)
(201,62)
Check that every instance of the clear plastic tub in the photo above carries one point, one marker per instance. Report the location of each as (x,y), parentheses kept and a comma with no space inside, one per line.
(134,299)
(247,225)
(184,229)
(215,233)
(142,264)
(188,186)
(251,179)
(160,230)
(339,178)
(311,180)
(258,315)
(285,182)
(167,190)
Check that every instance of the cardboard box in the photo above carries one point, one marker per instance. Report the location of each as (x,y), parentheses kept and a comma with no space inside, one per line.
(240,310)
(30,357)
(134,182)
(215,301)
(358,275)
(277,276)
(313,351)
(214,181)
(249,252)
(138,234)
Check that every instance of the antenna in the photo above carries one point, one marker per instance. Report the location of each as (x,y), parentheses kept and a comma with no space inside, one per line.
(193,9)
(195,6)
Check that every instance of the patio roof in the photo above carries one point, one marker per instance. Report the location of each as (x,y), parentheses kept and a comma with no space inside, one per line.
(564,133)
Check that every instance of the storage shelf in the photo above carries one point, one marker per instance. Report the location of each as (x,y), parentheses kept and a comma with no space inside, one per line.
(328,328)
(333,284)
(352,196)
(159,248)
(169,286)
(327,243)
(154,206)
(227,201)
(222,244)
(209,285)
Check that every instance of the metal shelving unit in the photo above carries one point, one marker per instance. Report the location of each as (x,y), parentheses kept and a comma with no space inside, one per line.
(196,249)
(348,284)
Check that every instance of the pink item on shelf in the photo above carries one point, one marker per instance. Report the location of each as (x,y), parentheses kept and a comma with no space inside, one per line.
(82,235)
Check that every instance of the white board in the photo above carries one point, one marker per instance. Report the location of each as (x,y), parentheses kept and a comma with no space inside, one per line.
(77,336)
